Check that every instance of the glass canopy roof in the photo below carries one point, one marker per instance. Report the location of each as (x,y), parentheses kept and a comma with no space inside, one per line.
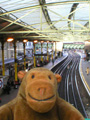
(54,20)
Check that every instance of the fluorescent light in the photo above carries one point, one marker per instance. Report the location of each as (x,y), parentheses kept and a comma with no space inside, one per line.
(25,40)
(10,39)
(35,41)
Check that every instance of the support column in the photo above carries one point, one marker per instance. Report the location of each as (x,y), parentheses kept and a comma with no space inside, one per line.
(55,50)
(52,51)
(41,52)
(15,63)
(47,52)
(34,55)
(3,65)
(24,56)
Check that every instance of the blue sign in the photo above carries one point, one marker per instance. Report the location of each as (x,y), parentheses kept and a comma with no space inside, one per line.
(1,82)
(87,118)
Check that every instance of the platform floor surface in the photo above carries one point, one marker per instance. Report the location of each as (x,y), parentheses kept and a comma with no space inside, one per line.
(86,77)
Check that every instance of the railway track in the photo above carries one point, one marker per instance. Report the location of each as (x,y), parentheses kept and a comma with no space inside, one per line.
(68,89)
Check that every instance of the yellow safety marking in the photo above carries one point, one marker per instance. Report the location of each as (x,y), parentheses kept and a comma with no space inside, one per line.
(84,77)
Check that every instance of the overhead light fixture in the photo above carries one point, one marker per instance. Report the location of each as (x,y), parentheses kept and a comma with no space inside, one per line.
(25,40)
(47,41)
(10,39)
(35,41)
(42,41)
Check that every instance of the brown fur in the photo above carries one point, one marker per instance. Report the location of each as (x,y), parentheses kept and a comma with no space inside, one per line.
(37,99)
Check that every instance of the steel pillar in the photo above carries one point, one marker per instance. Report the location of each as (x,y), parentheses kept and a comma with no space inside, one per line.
(3,65)
(55,50)
(34,58)
(41,52)
(52,50)
(47,53)
(24,56)
(15,63)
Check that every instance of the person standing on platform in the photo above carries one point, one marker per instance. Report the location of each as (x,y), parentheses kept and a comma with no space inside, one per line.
(87,70)
(53,61)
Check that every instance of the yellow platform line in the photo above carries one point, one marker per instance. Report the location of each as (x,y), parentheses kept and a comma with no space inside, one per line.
(85,83)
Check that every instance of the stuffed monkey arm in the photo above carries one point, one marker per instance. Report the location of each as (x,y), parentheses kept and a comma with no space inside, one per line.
(5,113)
(67,112)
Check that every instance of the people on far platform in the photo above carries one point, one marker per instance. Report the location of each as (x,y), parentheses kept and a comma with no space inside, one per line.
(52,61)
(87,70)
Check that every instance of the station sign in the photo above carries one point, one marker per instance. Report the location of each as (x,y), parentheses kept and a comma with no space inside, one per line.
(1,82)
(40,54)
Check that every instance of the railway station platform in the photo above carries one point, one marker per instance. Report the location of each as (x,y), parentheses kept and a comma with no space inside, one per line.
(83,73)
(5,98)
(51,65)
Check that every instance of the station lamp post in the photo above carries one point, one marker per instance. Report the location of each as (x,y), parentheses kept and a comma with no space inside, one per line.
(55,50)
(52,50)
(42,50)
(47,51)
(34,42)
(15,59)
(15,64)
(3,65)
(24,43)
(2,43)
(10,39)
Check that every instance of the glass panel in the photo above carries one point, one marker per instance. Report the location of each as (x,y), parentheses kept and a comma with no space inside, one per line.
(59,14)
(82,14)
(53,1)
(17,4)
(32,18)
